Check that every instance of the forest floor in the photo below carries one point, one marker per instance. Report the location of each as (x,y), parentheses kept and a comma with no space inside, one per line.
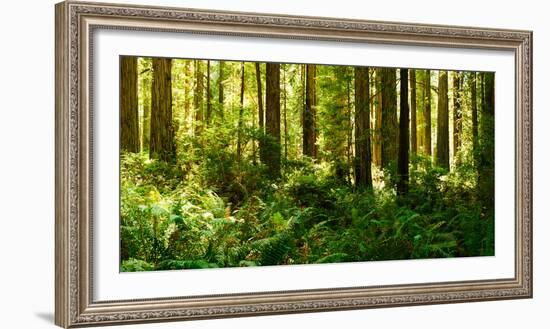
(217,214)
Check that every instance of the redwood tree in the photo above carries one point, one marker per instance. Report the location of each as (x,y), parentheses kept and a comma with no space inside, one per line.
(377,131)
(198,97)
(273,119)
(442,149)
(240,121)
(208,94)
(457,112)
(309,136)
(129,126)
(145,92)
(403,156)
(260,111)
(162,133)
(413,111)
(220,88)
(260,96)
(363,176)
(389,116)
(473,101)
(427,113)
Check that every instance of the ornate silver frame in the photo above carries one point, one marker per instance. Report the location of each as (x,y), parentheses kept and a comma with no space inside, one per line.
(75,21)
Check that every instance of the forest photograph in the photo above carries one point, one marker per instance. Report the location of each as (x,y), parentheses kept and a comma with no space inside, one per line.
(239,164)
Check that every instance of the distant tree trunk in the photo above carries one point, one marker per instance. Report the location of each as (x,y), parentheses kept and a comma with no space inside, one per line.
(420,100)
(146,125)
(372,118)
(482,109)
(377,134)
(260,97)
(403,156)
(427,113)
(129,119)
(186,93)
(273,119)
(240,121)
(473,99)
(414,143)
(220,88)
(308,127)
(146,97)
(261,143)
(442,150)
(303,77)
(389,116)
(208,94)
(314,109)
(162,132)
(457,113)
(363,176)
(349,130)
(284,113)
(197,98)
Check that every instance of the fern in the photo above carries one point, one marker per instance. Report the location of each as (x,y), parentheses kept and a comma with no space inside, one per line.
(274,250)
(135,265)
(184,264)
(334,258)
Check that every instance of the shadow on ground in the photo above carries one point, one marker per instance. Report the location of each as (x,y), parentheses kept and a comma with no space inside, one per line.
(46,316)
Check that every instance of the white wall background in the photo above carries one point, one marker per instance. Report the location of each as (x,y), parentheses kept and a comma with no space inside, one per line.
(27,163)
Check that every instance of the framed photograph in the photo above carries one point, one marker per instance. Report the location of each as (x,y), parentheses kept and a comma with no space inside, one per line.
(219,164)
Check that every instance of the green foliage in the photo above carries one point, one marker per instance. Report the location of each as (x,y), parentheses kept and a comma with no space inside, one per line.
(184,264)
(135,265)
(307,217)
(212,207)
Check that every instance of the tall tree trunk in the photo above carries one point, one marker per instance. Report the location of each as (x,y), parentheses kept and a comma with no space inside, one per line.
(372,118)
(363,176)
(414,143)
(220,88)
(403,156)
(240,121)
(260,97)
(162,132)
(145,91)
(146,124)
(457,113)
(473,100)
(308,127)
(273,119)
(303,78)
(284,113)
(186,94)
(349,130)
(427,113)
(261,142)
(487,143)
(420,100)
(314,108)
(377,135)
(129,115)
(389,116)
(208,94)
(442,150)
(197,98)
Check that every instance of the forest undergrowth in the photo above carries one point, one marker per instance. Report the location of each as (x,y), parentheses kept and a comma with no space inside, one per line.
(221,212)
